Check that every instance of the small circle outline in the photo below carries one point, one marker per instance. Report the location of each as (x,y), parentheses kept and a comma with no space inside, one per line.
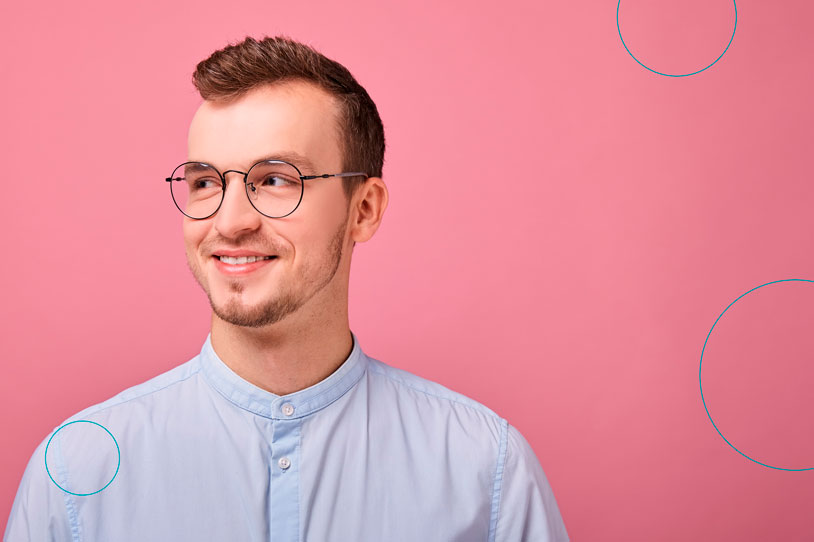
(669,74)
(702,389)
(118,451)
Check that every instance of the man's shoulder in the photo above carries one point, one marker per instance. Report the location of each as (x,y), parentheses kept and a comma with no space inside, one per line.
(163,382)
(411,385)
(85,442)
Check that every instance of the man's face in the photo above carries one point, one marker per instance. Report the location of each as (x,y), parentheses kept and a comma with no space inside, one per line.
(309,243)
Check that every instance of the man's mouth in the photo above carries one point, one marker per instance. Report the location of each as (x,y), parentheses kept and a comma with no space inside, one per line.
(242,259)
(243,265)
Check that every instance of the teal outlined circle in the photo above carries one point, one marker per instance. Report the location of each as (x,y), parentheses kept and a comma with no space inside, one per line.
(118,464)
(669,74)
(702,389)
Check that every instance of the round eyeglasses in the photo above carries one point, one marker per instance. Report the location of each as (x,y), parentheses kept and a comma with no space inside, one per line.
(274,187)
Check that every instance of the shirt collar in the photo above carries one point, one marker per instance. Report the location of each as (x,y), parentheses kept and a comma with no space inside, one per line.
(294,405)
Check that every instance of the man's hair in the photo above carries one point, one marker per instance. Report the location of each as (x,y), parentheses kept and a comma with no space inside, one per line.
(236,69)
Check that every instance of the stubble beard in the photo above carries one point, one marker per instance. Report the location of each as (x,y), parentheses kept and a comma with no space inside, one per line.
(288,298)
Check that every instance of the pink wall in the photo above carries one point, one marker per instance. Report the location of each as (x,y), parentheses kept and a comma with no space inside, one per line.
(564,229)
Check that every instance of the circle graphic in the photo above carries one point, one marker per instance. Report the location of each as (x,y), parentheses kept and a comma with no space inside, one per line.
(702,388)
(670,74)
(118,453)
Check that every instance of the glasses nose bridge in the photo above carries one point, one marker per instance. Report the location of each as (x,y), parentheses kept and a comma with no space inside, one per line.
(243,173)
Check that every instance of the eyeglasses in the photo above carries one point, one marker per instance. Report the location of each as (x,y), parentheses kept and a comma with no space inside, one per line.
(274,187)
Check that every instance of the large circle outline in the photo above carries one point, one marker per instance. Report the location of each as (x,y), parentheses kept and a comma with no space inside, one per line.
(669,74)
(118,451)
(702,389)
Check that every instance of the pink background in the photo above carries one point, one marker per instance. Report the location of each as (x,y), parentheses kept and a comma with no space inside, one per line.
(564,228)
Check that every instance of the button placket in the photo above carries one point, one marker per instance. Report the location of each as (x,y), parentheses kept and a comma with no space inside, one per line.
(285,479)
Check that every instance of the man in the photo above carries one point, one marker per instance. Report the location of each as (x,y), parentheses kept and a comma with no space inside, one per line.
(282,428)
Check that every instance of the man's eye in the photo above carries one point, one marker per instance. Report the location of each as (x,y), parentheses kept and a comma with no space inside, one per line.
(196,184)
(277,180)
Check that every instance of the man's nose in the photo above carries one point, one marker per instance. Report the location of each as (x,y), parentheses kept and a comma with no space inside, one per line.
(236,213)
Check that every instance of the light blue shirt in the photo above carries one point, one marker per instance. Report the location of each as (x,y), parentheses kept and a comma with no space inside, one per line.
(371,453)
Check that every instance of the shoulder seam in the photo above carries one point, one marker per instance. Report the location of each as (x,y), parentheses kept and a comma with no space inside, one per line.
(70,505)
(498,484)
(479,409)
(173,383)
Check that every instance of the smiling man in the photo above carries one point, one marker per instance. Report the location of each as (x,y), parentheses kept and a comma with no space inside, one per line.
(280,323)
(282,428)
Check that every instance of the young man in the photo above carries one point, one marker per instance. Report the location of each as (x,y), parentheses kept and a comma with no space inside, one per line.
(282,428)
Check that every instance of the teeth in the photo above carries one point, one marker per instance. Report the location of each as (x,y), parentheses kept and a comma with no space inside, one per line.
(242,259)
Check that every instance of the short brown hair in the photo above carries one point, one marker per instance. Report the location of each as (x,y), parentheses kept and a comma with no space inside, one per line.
(237,68)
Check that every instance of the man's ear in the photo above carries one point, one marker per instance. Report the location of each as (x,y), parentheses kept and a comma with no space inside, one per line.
(367,209)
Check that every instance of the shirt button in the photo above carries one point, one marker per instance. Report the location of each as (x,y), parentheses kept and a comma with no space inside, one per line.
(288,409)
(284,463)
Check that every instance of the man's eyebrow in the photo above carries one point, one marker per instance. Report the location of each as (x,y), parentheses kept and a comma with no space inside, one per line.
(302,162)
(193,167)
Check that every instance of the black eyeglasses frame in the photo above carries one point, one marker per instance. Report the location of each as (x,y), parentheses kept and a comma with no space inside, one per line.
(246,182)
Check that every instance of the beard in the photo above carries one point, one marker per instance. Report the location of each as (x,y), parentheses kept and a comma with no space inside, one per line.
(288,297)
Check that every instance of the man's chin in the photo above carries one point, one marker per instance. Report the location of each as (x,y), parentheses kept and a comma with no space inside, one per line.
(234,317)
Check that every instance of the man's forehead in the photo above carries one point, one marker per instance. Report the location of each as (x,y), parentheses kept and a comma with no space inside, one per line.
(281,101)
(282,121)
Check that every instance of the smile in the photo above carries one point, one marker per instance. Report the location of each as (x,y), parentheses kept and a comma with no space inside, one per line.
(242,266)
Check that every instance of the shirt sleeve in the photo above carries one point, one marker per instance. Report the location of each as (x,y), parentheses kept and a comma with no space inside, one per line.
(39,511)
(528,511)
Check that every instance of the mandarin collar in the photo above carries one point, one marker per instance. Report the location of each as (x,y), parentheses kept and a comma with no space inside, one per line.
(269,405)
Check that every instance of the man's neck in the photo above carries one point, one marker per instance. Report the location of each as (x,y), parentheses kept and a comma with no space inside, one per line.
(278,360)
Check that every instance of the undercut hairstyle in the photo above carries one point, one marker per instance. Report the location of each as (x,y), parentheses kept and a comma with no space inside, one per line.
(231,72)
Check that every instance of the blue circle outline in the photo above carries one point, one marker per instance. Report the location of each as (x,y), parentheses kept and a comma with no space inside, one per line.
(685,74)
(118,451)
(702,389)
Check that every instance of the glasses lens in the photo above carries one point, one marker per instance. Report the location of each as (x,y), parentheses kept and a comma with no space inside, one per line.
(196,189)
(275,188)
